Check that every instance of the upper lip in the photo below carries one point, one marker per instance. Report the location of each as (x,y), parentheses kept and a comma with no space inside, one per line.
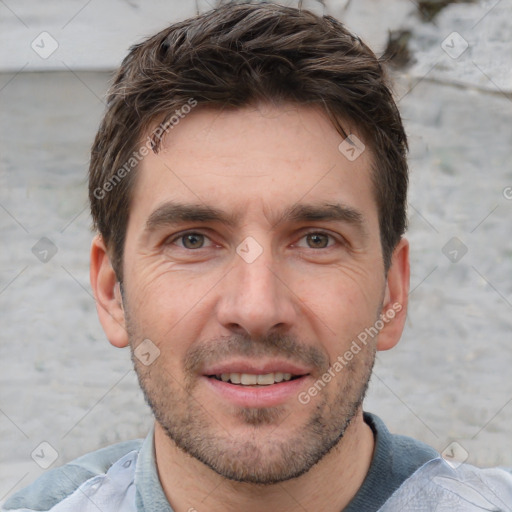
(256,368)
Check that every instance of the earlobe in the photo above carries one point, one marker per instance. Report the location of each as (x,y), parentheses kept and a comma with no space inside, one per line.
(394,309)
(107,293)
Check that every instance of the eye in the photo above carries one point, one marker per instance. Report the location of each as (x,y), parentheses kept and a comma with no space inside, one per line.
(317,240)
(191,240)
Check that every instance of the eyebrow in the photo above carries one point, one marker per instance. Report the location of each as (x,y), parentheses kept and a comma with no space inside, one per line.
(327,211)
(173,213)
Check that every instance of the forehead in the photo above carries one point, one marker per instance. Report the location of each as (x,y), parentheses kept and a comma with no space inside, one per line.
(260,157)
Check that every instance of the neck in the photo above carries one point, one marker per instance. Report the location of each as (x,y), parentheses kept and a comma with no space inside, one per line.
(328,486)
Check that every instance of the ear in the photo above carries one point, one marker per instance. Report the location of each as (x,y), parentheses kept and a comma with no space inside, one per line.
(394,308)
(107,293)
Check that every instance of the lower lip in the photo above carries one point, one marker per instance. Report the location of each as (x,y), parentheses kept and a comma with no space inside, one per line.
(262,396)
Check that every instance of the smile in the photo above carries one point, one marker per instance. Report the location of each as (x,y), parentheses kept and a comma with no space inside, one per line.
(249,379)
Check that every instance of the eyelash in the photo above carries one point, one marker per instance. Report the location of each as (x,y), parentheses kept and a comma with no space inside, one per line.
(182,235)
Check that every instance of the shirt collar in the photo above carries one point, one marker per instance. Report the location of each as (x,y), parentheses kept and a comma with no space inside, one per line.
(149,492)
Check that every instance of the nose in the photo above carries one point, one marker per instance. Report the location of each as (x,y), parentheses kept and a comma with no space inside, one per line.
(256,299)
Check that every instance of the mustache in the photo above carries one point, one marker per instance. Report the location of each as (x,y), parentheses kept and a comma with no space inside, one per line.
(271,345)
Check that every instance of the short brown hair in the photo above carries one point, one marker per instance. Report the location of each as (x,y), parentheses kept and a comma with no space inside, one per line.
(232,56)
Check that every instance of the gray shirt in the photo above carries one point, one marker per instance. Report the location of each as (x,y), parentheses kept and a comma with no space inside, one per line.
(395,458)
(126,475)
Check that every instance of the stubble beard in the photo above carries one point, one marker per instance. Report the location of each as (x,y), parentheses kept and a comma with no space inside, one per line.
(271,449)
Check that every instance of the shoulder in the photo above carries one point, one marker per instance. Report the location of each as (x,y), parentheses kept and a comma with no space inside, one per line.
(464,488)
(403,455)
(57,484)
(395,459)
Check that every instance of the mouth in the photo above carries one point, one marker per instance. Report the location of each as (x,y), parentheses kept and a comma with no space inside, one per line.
(252,384)
(255,380)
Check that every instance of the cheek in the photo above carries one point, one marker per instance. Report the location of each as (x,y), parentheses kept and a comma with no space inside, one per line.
(340,303)
(160,287)
(169,306)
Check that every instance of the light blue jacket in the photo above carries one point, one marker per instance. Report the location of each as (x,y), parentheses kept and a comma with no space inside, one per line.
(438,487)
(113,480)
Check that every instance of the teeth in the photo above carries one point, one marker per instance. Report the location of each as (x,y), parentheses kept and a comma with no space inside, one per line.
(266,379)
(249,379)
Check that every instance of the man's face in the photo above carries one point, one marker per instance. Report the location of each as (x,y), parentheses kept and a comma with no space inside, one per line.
(253,255)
